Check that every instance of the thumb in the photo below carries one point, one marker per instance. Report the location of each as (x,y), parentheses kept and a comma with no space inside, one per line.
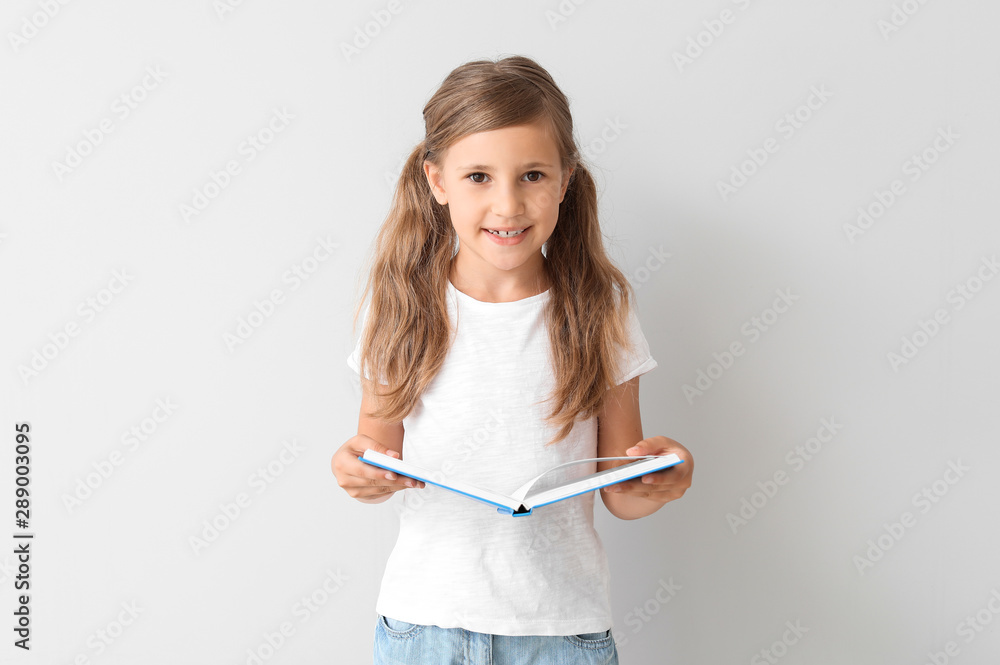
(638,449)
(654,445)
(372,444)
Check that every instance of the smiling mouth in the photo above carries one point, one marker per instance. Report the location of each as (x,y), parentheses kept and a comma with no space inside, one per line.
(507,234)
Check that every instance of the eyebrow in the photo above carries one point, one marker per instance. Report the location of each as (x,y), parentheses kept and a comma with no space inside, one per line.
(484,167)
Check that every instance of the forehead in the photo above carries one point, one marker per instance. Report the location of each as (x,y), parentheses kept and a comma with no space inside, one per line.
(508,146)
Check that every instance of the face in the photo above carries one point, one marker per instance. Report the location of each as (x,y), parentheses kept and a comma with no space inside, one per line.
(507,179)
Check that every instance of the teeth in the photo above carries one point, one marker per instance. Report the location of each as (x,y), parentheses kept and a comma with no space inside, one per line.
(505,234)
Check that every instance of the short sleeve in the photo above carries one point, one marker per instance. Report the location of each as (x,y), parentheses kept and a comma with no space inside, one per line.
(636,360)
(352,360)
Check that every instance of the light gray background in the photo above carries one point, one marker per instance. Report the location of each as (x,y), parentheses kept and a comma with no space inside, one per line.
(733,591)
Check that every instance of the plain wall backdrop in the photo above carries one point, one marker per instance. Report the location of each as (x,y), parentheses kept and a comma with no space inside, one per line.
(804,195)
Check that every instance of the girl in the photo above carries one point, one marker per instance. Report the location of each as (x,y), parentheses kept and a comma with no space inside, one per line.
(491,294)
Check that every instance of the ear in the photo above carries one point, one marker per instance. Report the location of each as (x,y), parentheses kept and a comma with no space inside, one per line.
(433,174)
(565,185)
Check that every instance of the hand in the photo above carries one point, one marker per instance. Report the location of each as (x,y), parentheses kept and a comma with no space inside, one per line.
(662,486)
(365,482)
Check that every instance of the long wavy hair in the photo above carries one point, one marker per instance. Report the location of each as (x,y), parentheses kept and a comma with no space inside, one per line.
(408,333)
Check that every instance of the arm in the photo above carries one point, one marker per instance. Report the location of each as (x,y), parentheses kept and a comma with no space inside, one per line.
(619,433)
(361,481)
(389,435)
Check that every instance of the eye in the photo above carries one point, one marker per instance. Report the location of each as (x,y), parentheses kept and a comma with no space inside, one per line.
(474,179)
(538,173)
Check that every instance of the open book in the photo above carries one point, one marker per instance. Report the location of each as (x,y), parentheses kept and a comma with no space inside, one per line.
(523,501)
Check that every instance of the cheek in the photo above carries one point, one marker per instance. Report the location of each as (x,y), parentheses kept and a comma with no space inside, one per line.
(462,207)
(475,202)
(546,201)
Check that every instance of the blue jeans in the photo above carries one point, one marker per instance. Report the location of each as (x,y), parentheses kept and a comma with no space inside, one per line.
(401,643)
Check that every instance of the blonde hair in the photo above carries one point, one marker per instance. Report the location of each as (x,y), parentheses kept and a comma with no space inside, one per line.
(408,336)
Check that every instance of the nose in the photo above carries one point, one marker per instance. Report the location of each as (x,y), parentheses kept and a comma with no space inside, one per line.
(507,201)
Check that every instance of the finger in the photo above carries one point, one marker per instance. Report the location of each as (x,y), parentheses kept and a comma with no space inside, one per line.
(671,475)
(627,488)
(371,473)
(369,491)
(380,477)
(391,475)
(377,490)
(405,480)
(411,482)
(364,470)
(635,487)
(662,493)
(646,447)
(658,478)
(401,482)
(657,484)
(372,444)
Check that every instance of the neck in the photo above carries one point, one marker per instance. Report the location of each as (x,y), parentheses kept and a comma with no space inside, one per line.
(505,289)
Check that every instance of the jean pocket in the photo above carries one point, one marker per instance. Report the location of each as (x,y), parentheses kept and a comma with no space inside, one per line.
(399,628)
(599,640)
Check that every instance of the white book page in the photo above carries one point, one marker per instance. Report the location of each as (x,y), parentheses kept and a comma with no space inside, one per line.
(420,473)
(640,467)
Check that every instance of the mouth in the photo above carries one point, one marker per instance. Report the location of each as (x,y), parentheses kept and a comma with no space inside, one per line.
(507,233)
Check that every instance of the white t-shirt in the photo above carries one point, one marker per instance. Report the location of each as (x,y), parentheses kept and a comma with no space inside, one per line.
(458,562)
